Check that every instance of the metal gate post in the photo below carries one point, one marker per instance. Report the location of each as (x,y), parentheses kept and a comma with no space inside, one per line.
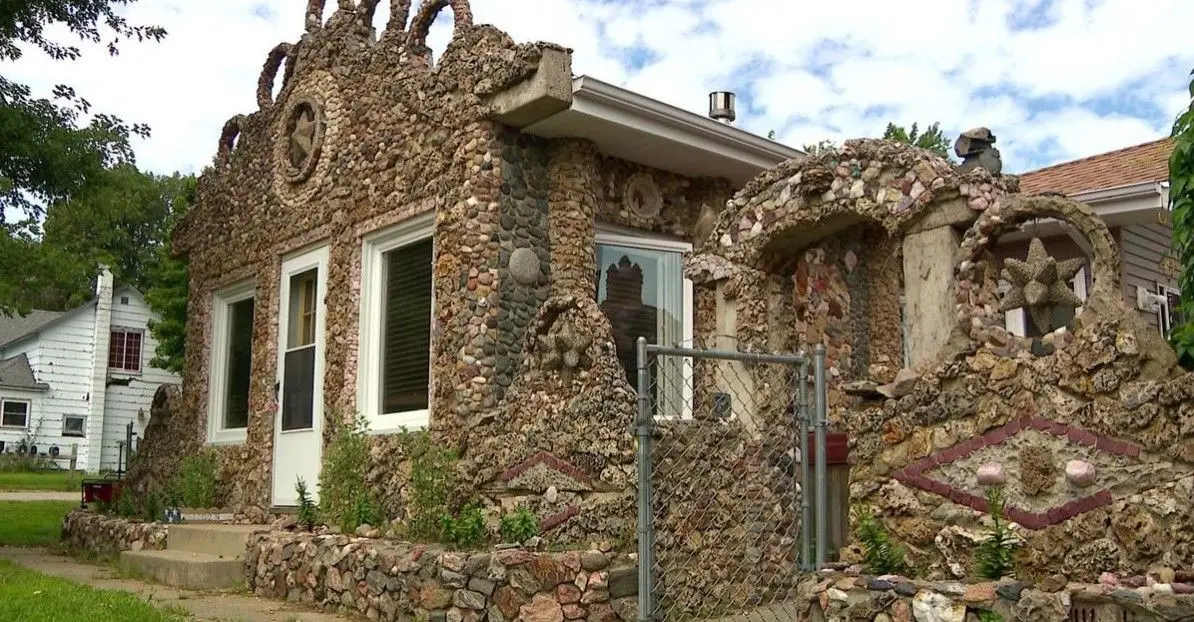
(822,474)
(806,509)
(646,528)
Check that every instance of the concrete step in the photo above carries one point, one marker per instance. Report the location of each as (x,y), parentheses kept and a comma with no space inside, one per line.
(214,539)
(184,569)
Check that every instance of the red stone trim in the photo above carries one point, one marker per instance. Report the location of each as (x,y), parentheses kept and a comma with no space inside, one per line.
(913,474)
(558,518)
(547,458)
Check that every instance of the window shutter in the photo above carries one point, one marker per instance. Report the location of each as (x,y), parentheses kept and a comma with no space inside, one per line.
(406,328)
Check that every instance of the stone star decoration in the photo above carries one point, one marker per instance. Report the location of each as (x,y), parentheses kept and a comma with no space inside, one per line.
(302,139)
(1040,284)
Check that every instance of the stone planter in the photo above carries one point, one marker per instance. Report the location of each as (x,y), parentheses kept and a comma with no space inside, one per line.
(87,531)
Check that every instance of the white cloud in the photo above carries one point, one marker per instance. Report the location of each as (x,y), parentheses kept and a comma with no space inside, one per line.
(807,70)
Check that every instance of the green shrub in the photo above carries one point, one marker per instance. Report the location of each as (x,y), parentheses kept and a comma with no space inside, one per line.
(196,483)
(344,495)
(880,554)
(306,507)
(994,557)
(989,616)
(519,526)
(465,530)
(431,483)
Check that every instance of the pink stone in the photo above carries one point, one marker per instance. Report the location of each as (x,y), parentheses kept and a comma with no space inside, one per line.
(1080,473)
(1108,578)
(991,474)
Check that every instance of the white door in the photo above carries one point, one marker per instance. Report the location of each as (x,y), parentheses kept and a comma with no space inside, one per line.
(298,429)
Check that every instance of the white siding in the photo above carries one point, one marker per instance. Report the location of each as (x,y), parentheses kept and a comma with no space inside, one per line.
(125,404)
(1143,246)
(13,436)
(63,361)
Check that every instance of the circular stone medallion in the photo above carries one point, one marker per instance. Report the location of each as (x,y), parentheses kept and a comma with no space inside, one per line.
(524,266)
(301,139)
(642,196)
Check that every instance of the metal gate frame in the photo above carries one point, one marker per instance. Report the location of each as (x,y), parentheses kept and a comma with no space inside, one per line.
(804,417)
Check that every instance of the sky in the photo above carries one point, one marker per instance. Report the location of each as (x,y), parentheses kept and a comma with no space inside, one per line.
(1054,79)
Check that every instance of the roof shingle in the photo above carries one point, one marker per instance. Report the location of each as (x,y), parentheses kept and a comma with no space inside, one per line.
(15,372)
(15,327)
(1122,167)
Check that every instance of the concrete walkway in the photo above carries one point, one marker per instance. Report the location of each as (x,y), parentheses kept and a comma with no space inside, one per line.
(215,606)
(38,495)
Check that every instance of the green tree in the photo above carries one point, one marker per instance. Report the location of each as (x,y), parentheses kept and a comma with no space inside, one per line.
(168,290)
(48,153)
(932,138)
(1181,200)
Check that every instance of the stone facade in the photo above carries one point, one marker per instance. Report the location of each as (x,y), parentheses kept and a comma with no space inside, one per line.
(89,532)
(396,581)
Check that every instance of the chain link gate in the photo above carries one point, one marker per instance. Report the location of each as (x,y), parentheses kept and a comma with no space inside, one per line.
(723,450)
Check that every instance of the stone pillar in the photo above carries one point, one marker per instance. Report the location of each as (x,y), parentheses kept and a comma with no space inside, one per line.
(929,292)
(572,208)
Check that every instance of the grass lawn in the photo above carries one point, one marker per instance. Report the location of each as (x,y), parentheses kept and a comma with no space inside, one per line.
(31,523)
(40,480)
(29,595)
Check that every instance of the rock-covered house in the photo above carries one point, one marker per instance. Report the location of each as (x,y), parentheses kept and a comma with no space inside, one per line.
(79,377)
(471,242)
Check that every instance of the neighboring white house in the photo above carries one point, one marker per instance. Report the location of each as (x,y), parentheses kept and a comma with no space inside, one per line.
(79,376)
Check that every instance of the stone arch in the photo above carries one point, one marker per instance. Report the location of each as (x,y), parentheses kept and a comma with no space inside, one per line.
(228,135)
(314,15)
(978,305)
(399,14)
(283,52)
(421,23)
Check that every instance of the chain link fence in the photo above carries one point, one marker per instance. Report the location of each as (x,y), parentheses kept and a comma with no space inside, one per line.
(724,529)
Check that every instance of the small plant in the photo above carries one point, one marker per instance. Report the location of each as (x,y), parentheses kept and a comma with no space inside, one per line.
(994,557)
(196,482)
(466,530)
(431,483)
(989,616)
(344,495)
(126,505)
(519,526)
(364,512)
(306,507)
(880,554)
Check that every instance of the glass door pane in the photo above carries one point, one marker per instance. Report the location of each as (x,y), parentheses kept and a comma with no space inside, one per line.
(298,374)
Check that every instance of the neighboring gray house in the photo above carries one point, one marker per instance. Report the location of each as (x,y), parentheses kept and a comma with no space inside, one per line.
(79,376)
(1129,189)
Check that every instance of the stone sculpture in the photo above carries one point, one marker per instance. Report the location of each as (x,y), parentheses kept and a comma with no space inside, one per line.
(977,149)
(1040,284)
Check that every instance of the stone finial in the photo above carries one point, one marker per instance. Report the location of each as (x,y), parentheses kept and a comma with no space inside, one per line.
(977,149)
(1040,283)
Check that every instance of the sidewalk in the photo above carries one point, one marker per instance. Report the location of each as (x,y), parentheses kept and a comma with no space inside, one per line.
(32,495)
(202,605)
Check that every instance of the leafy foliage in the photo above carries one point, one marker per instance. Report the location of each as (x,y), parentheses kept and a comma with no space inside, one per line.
(932,138)
(519,526)
(994,557)
(880,554)
(1181,199)
(344,495)
(197,480)
(431,484)
(989,616)
(306,507)
(465,530)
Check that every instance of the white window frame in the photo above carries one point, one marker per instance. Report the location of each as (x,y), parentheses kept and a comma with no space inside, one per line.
(217,385)
(127,330)
(28,413)
(82,433)
(374,246)
(1017,319)
(634,238)
(1163,312)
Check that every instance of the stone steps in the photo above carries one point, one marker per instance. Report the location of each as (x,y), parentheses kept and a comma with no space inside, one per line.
(197,556)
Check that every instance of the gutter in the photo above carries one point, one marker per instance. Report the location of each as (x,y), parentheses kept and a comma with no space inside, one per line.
(41,387)
(1130,191)
(585,87)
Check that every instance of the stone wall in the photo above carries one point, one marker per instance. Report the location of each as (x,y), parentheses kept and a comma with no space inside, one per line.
(847,595)
(90,532)
(397,581)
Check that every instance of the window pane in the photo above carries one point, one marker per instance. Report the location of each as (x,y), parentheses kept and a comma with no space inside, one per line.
(72,426)
(641,293)
(15,414)
(302,309)
(240,353)
(298,389)
(406,328)
(116,350)
(132,351)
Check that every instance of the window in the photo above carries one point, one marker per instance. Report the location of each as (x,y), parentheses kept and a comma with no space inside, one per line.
(73,425)
(124,350)
(298,385)
(1019,323)
(397,298)
(1171,315)
(231,363)
(14,414)
(642,291)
